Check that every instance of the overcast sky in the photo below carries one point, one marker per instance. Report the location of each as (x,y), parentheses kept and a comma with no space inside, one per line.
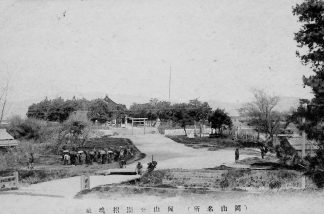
(217,49)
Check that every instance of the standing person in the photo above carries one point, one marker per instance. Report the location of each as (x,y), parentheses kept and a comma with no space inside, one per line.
(116,155)
(103,157)
(66,159)
(31,161)
(91,156)
(87,157)
(139,167)
(83,158)
(122,152)
(262,152)
(237,155)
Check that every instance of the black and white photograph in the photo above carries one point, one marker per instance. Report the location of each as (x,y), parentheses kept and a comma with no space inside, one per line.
(161,106)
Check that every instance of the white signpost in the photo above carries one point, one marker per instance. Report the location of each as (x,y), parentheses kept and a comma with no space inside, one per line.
(85,182)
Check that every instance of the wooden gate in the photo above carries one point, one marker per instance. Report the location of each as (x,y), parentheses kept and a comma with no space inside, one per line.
(9,182)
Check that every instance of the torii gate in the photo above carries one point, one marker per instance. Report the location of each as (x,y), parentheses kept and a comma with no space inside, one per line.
(137,120)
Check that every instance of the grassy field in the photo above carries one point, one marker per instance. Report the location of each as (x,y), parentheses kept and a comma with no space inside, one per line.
(213,143)
(174,182)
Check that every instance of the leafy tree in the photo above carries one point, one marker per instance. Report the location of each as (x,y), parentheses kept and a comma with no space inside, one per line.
(59,109)
(181,115)
(76,129)
(55,111)
(152,110)
(310,39)
(100,111)
(219,119)
(199,111)
(105,109)
(29,128)
(39,110)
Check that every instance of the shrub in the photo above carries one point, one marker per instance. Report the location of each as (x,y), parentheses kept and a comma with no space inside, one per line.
(18,156)
(275,184)
(224,183)
(29,128)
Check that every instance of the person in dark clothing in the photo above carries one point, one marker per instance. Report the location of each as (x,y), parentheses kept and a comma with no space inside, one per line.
(72,159)
(151,166)
(116,157)
(103,158)
(31,161)
(237,154)
(80,158)
(139,168)
(262,152)
(87,157)
(91,156)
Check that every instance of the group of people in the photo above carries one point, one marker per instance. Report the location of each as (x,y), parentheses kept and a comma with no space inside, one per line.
(102,156)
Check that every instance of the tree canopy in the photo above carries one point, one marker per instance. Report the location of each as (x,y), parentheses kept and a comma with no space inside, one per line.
(310,39)
(219,119)
(59,109)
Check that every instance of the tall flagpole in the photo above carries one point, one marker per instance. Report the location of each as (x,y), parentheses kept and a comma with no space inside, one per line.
(170,84)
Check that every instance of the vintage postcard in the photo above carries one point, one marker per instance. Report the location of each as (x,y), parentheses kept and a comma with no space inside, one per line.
(161,106)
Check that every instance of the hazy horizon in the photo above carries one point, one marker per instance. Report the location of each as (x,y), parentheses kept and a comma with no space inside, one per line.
(217,49)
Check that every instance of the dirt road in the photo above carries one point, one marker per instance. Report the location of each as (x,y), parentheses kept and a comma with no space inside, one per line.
(57,196)
(170,154)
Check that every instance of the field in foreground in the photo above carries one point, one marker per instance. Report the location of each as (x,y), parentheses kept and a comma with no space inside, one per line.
(50,167)
(175,182)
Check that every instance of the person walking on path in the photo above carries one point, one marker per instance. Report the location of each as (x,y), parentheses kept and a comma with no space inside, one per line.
(139,167)
(237,155)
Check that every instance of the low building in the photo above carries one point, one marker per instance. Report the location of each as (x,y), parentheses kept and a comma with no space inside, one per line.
(296,142)
(6,140)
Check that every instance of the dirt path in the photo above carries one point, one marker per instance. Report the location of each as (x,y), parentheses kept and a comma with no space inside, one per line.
(170,154)
(57,196)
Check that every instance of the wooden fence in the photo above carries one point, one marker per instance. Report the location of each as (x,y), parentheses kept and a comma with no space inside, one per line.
(9,182)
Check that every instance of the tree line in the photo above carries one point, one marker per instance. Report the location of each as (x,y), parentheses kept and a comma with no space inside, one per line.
(194,112)
(58,110)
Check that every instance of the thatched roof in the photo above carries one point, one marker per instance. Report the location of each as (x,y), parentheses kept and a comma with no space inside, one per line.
(6,139)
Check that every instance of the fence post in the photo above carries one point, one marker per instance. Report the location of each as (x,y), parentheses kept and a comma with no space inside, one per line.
(16,179)
(85,182)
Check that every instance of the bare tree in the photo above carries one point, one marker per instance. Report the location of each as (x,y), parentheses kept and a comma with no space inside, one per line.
(3,98)
(260,113)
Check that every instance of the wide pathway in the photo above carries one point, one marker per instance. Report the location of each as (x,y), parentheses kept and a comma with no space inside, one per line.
(57,196)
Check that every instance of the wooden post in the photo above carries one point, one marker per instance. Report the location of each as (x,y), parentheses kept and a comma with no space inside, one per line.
(16,179)
(144,126)
(303,182)
(132,126)
(85,182)
(304,141)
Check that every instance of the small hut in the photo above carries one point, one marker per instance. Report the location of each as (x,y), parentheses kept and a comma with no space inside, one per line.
(6,140)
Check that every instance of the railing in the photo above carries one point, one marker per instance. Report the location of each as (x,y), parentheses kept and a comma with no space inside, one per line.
(9,182)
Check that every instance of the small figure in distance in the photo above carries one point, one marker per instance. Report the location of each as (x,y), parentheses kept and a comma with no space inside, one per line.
(237,155)
(31,161)
(139,167)
(151,166)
